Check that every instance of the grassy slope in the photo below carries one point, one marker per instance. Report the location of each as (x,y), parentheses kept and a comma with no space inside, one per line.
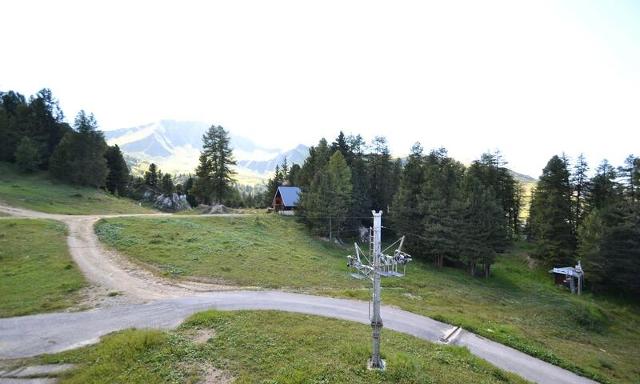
(36,271)
(518,306)
(252,250)
(39,192)
(272,347)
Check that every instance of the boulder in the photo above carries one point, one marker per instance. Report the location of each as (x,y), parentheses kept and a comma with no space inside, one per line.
(172,202)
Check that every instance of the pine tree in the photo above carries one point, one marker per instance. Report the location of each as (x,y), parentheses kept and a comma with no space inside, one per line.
(381,175)
(293,175)
(79,157)
(492,173)
(39,119)
(483,230)
(313,203)
(620,247)
(551,214)
(317,160)
(406,213)
(340,188)
(604,188)
(46,125)
(442,206)
(272,186)
(360,194)
(630,174)
(27,156)
(166,185)
(118,176)
(151,177)
(341,144)
(580,186)
(215,175)
(589,239)
(202,185)
(610,248)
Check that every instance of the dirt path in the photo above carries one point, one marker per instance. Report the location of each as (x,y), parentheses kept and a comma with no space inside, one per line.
(114,279)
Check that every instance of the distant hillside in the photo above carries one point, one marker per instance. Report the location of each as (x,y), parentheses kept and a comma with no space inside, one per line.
(524,179)
(296,155)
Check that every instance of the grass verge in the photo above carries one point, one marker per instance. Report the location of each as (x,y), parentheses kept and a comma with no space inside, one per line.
(270,347)
(518,306)
(37,273)
(39,192)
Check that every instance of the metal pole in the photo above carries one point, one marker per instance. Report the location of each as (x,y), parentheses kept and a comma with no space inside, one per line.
(376,321)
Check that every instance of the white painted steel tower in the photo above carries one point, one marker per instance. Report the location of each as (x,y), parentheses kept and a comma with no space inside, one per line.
(376,266)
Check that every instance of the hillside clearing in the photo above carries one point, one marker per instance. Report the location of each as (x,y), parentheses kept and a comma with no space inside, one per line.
(518,306)
(41,193)
(37,272)
(269,346)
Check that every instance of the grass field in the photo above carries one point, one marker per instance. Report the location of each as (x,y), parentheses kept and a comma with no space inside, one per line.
(36,271)
(254,250)
(270,347)
(518,306)
(40,193)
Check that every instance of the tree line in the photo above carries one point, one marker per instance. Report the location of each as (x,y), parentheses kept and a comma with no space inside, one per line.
(592,219)
(34,136)
(449,213)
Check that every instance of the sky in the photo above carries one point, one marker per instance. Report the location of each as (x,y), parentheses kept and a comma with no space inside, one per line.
(530,78)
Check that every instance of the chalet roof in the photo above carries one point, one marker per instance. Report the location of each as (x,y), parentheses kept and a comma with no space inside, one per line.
(290,195)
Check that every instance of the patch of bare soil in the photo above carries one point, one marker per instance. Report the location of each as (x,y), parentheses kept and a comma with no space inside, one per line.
(213,375)
(202,336)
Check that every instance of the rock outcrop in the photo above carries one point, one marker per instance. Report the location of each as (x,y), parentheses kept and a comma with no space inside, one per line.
(171,203)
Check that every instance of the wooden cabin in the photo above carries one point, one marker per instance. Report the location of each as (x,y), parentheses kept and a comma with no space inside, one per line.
(285,200)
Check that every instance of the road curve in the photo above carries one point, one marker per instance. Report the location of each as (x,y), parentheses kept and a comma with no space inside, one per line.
(169,304)
(33,335)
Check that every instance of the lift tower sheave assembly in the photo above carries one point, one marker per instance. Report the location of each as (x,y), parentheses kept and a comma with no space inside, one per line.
(374,267)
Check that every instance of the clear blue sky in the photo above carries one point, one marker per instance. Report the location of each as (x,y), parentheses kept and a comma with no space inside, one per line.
(530,78)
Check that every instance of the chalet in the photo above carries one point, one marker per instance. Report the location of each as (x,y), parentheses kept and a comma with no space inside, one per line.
(286,200)
(571,277)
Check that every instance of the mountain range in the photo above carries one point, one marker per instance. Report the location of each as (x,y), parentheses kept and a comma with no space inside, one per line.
(175,147)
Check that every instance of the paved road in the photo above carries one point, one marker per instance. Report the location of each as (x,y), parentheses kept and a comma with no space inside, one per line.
(48,333)
(168,304)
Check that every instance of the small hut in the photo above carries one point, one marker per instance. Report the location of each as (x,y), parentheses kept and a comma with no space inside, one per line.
(286,199)
(570,277)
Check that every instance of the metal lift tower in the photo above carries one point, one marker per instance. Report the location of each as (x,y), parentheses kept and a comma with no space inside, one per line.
(376,266)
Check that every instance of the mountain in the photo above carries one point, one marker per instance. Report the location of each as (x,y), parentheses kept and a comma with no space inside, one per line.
(166,137)
(524,179)
(296,155)
(175,147)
